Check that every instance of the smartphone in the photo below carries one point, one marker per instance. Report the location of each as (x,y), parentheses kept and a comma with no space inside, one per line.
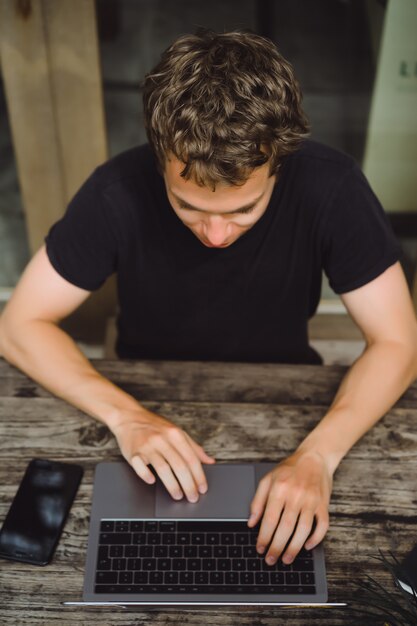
(37,515)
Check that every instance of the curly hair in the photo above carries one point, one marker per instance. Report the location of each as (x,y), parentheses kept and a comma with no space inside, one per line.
(223,104)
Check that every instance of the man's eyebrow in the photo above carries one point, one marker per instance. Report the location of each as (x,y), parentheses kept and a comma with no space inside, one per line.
(194,208)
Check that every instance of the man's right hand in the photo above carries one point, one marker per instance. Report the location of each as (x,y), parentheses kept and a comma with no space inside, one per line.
(147,438)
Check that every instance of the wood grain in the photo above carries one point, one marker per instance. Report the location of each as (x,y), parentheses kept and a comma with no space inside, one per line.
(239,412)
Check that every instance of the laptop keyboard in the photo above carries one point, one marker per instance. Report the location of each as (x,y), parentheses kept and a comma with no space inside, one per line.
(193,557)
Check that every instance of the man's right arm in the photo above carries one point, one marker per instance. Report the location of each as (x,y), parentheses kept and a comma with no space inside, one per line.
(31,339)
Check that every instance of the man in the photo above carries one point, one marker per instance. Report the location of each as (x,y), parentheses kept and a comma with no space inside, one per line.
(219,232)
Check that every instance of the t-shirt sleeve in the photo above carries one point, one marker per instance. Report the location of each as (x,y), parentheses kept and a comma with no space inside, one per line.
(357,240)
(81,246)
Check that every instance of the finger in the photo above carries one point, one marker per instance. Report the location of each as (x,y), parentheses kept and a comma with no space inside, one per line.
(183,444)
(304,525)
(270,520)
(202,454)
(282,534)
(182,468)
(165,473)
(322,518)
(141,469)
(258,503)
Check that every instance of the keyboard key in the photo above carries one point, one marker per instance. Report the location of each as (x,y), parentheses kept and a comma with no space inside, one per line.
(241,539)
(194,564)
(227,539)
(151,527)
(254,565)
(183,538)
(119,564)
(231,578)
(190,552)
(114,538)
(277,578)
(292,578)
(148,564)
(136,527)
(304,565)
(161,551)
(239,565)
(305,554)
(219,551)
(201,578)
(156,578)
(167,527)
(168,538)
(154,539)
(186,578)
(106,578)
(307,578)
(107,527)
(125,578)
(223,565)
(212,539)
(246,578)
(139,539)
(175,551)
(103,552)
(197,539)
(121,527)
(134,564)
(209,565)
(163,564)
(235,552)
(179,564)
(262,578)
(141,577)
(104,564)
(116,552)
(130,552)
(216,578)
(205,551)
(171,578)
(250,552)
(147,551)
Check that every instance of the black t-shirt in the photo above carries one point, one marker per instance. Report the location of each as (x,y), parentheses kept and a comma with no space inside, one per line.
(251,301)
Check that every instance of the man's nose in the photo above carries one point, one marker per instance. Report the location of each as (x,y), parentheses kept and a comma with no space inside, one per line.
(216,230)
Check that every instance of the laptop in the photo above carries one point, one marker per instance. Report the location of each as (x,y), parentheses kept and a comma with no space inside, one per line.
(147,549)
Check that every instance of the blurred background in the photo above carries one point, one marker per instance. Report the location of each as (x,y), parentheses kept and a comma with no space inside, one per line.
(70,98)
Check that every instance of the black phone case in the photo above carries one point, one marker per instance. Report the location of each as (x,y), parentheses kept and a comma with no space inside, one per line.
(42,463)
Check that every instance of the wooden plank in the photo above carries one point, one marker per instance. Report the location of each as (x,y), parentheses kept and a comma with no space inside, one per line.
(50,63)
(28,84)
(74,67)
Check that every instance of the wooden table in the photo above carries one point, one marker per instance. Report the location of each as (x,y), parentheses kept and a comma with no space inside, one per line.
(239,412)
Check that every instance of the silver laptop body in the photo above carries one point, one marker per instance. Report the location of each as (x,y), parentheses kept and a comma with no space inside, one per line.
(119,494)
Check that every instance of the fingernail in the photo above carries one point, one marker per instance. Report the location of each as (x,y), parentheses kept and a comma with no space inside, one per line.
(178,496)
(252,517)
(202,488)
(308,546)
(193,498)
(261,549)
(270,560)
(287,559)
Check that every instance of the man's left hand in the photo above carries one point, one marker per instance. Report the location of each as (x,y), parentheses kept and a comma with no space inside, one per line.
(293,494)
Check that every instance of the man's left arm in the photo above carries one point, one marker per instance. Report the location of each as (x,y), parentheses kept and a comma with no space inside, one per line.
(298,490)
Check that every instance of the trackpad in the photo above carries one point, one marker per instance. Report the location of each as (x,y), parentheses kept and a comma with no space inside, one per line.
(231,488)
